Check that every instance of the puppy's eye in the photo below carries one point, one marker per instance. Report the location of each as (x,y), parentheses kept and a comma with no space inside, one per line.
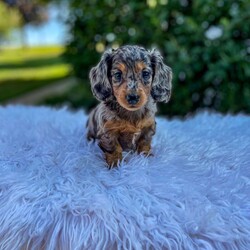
(118,76)
(145,75)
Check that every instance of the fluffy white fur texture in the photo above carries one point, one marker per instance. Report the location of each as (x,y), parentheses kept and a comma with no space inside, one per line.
(56,192)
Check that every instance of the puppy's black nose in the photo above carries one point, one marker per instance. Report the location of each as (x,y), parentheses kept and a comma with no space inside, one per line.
(132,99)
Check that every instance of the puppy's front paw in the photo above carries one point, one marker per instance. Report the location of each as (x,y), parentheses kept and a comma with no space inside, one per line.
(113,159)
(145,149)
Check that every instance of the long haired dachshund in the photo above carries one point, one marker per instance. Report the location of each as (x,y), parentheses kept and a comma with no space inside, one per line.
(128,81)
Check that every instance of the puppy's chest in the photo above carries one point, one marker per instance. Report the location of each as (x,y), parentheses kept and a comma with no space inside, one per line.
(128,141)
(128,133)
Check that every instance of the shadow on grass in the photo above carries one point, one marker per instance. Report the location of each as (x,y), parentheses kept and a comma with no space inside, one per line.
(78,97)
(12,88)
(33,63)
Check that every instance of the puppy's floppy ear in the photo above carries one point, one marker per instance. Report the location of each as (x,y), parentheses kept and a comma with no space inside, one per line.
(99,77)
(162,78)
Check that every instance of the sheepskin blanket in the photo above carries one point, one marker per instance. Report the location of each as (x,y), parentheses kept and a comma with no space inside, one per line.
(56,193)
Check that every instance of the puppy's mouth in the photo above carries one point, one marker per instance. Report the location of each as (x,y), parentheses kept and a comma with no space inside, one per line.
(132,107)
(132,102)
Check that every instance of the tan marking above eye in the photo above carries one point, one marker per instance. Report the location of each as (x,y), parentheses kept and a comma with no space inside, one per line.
(121,66)
(139,66)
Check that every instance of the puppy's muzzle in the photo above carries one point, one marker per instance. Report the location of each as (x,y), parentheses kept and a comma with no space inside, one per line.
(132,99)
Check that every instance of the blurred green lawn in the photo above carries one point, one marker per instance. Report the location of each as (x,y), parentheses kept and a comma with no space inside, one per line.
(23,70)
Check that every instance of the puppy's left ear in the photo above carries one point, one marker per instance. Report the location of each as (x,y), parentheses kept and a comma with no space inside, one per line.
(162,78)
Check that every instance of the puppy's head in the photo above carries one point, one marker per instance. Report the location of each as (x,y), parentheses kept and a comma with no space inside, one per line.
(132,75)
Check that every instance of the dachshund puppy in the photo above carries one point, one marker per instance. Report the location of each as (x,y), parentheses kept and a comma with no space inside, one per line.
(128,81)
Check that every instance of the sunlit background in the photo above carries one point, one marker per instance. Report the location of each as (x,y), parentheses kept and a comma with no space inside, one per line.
(48,47)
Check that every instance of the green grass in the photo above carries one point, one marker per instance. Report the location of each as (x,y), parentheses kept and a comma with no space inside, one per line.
(23,70)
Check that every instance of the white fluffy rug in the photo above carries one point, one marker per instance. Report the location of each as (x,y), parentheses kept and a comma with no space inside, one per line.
(56,193)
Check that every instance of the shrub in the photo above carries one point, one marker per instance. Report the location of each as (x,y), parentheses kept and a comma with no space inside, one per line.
(205,42)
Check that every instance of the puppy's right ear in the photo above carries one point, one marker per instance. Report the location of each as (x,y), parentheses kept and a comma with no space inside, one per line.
(99,78)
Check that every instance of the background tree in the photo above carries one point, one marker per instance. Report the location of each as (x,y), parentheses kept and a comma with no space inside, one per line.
(10,19)
(31,11)
(28,11)
(205,42)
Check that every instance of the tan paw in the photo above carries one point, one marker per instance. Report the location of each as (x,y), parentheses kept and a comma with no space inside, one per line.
(113,159)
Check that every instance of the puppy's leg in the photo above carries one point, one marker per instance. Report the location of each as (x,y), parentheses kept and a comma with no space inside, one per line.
(112,149)
(144,146)
(144,142)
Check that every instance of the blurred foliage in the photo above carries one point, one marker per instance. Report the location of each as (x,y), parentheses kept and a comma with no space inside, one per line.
(31,11)
(10,18)
(23,70)
(207,44)
(17,13)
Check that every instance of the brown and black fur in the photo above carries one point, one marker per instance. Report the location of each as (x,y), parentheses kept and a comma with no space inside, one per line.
(128,81)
